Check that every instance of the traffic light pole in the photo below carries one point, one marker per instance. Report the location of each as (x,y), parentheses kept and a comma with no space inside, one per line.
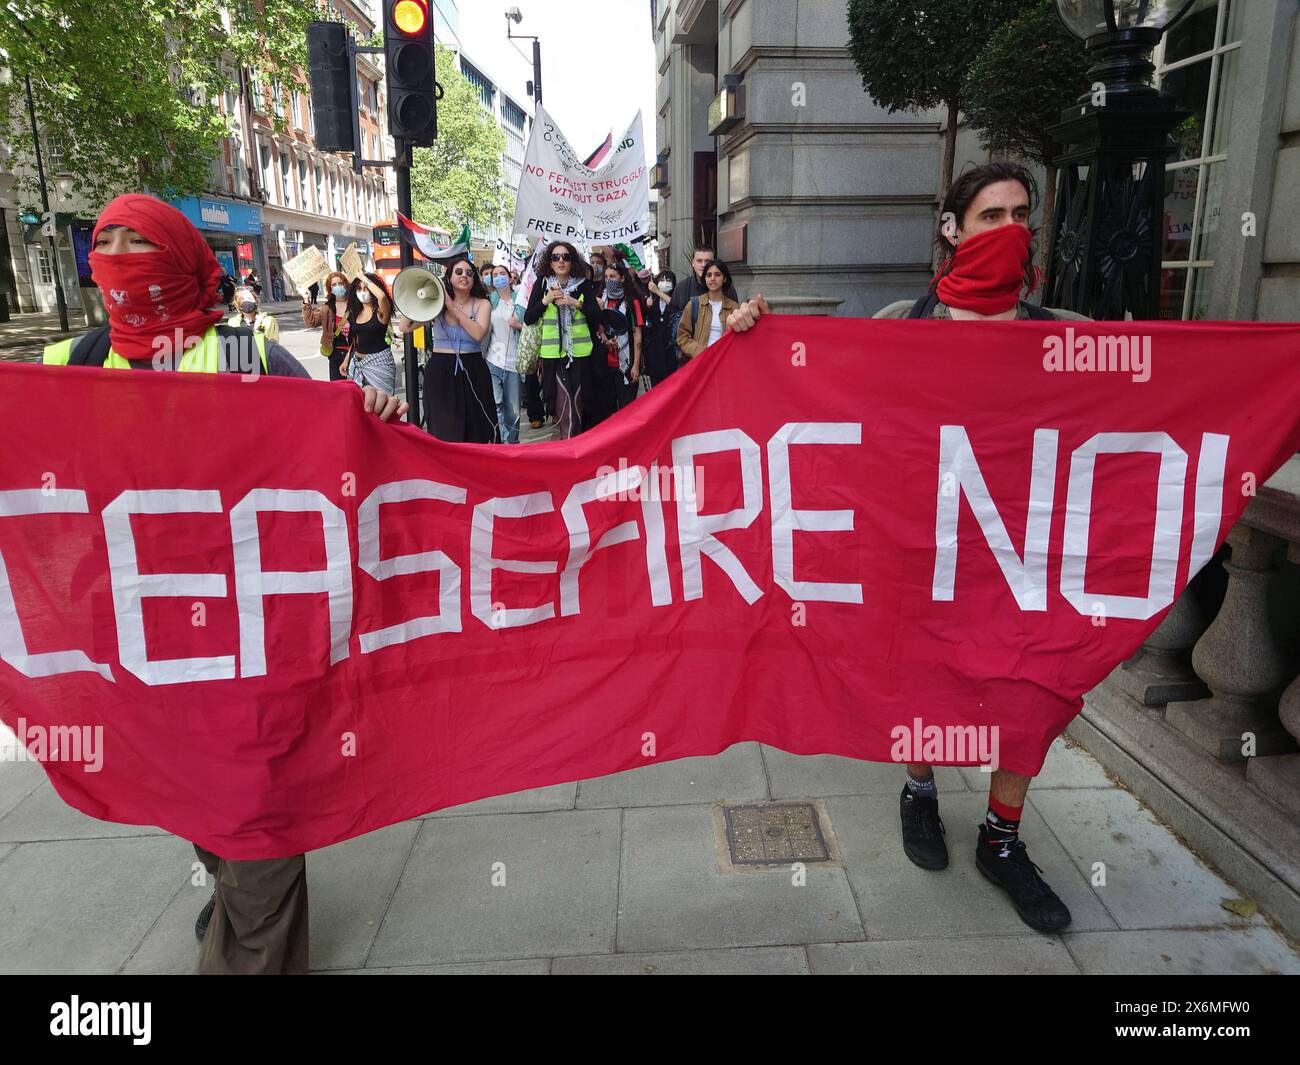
(403,174)
(402,171)
(45,207)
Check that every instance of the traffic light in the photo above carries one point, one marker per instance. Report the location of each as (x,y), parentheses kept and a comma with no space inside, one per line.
(332,68)
(408,54)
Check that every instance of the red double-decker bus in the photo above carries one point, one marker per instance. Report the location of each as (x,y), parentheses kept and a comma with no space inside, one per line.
(386,244)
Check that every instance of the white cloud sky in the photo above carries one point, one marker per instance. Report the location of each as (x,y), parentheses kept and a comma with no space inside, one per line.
(598,65)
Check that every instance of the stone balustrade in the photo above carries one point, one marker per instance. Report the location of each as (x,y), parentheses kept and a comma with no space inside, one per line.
(1203,722)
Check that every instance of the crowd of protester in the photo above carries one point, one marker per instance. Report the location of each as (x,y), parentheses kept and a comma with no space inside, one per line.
(604,333)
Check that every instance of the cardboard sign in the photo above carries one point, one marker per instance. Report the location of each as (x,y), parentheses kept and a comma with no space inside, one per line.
(307,268)
(351,262)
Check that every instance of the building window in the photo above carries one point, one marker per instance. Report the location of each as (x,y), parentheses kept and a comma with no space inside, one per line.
(486,90)
(320,189)
(268,174)
(286,185)
(255,86)
(304,191)
(55,155)
(512,114)
(1197,65)
(297,109)
(44,268)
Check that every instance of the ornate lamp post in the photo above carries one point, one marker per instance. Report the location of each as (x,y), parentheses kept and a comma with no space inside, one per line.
(1106,248)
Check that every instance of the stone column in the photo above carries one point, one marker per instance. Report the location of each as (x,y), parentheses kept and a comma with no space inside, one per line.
(1161,671)
(1278,776)
(1238,658)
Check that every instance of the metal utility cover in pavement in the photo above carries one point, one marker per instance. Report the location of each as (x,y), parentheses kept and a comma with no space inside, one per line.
(772,833)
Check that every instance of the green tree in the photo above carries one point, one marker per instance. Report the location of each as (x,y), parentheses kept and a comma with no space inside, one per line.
(914,54)
(1031,70)
(461,179)
(129,88)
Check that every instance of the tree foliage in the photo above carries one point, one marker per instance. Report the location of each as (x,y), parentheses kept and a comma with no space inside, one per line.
(130,89)
(461,179)
(915,54)
(1031,69)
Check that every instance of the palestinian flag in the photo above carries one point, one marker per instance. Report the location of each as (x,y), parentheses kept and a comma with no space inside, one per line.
(633,260)
(598,156)
(422,239)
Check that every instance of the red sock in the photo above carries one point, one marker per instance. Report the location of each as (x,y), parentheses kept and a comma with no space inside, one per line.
(1003,825)
(1007,813)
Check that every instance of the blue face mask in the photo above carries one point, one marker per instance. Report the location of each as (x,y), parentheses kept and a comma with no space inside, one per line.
(340,291)
(501,282)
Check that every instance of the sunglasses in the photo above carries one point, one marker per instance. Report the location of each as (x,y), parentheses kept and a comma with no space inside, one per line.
(462,273)
(562,257)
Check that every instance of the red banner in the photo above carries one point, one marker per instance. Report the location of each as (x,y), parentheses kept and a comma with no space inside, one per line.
(247,612)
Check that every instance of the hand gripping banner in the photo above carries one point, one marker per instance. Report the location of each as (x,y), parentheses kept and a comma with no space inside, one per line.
(252,614)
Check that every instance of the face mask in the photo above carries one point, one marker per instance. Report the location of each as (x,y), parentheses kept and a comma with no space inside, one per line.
(614,289)
(339,291)
(665,287)
(987,271)
(364,295)
(501,282)
(248,306)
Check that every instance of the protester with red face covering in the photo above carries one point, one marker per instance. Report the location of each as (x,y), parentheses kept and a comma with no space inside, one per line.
(987,250)
(160,282)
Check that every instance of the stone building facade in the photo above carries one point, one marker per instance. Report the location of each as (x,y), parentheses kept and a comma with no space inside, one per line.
(819,197)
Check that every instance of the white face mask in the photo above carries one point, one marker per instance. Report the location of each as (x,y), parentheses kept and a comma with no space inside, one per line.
(665,287)
(364,295)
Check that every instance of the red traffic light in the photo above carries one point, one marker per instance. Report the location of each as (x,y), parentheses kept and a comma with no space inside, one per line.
(411,17)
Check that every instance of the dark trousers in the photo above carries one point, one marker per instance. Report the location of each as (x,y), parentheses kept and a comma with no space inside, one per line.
(533,398)
(567,385)
(336,364)
(259,925)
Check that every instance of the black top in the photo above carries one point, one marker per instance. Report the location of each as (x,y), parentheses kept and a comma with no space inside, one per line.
(370,336)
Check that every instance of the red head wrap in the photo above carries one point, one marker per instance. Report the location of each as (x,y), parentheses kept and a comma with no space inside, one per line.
(151,295)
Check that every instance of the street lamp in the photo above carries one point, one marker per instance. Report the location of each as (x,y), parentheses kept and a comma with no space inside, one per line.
(535,87)
(60,300)
(1107,240)
(1122,33)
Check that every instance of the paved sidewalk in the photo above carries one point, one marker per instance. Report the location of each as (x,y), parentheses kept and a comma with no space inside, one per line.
(625,874)
(23,337)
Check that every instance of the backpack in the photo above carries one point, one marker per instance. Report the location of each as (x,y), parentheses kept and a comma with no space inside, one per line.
(91,349)
(925,306)
(674,320)
(694,304)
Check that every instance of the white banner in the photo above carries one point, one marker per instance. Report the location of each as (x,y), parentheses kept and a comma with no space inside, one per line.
(561,199)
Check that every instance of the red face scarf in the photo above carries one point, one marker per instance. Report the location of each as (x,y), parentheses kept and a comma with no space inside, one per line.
(150,295)
(987,271)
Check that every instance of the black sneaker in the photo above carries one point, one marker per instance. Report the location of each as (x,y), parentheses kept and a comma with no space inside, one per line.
(922,830)
(1015,874)
(205,915)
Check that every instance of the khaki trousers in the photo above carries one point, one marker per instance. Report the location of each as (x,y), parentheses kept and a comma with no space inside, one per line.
(259,924)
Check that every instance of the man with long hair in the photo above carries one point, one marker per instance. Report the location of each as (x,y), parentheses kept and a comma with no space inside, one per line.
(987,261)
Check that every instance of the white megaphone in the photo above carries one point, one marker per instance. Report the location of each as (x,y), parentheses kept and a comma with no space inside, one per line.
(418,294)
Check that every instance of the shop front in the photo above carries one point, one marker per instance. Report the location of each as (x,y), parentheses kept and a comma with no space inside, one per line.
(232,230)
